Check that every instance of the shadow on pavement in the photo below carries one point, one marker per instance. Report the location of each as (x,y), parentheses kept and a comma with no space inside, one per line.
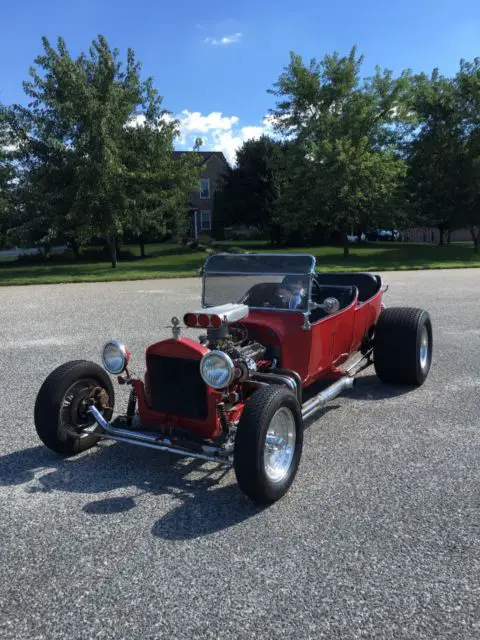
(370,387)
(206,504)
(204,513)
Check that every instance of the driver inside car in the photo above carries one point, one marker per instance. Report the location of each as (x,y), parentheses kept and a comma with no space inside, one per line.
(293,291)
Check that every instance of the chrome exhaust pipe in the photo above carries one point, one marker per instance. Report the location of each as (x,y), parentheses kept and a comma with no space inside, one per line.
(320,400)
(277,378)
(151,440)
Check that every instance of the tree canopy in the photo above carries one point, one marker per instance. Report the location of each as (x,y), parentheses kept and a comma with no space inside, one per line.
(95,147)
(345,129)
(91,155)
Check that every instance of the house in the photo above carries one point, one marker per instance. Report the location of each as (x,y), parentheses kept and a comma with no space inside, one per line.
(201,202)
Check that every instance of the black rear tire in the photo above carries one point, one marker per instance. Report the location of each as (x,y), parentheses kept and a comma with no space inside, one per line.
(61,419)
(402,345)
(250,461)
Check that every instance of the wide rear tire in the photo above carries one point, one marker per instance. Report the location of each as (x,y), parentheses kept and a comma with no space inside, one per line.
(402,345)
(268,444)
(61,418)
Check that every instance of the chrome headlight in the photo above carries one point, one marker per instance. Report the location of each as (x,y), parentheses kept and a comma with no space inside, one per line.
(115,357)
(217,369)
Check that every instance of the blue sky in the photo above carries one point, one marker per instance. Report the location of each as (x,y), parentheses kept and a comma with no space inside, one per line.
(213,61)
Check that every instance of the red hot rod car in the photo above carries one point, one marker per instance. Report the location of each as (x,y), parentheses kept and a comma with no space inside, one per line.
(270,328)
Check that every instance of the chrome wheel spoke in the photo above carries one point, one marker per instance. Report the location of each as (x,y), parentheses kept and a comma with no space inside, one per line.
(279,445)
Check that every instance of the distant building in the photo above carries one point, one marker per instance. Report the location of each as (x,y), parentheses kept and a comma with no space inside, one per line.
(201,201)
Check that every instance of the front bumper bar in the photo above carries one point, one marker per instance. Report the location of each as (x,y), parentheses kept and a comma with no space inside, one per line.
(220,455)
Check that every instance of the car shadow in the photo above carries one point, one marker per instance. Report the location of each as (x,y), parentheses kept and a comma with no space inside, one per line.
(206,502)
(319,415)
(370,387)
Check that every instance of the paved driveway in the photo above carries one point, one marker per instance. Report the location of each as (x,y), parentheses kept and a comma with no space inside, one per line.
(378,538)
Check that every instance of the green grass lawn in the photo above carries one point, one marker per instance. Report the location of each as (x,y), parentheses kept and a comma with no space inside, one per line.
(174,260)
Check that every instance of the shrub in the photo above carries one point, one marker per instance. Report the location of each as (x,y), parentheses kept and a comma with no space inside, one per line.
(205,240)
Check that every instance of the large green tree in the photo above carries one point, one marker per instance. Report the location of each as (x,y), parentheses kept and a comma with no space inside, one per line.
(80,171)
(444,161)
(436,149)
(468,87)
(45,181)
(299,214)
(7,176)
(250,189)
(157,183)
(347,130)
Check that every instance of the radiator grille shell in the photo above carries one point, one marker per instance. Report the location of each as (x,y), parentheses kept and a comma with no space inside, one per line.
(176,387)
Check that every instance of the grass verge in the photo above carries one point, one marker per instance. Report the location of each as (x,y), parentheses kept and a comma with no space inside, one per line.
(173,260)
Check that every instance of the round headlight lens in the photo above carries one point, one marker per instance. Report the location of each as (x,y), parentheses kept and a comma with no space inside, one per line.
(217,369)
(115,357)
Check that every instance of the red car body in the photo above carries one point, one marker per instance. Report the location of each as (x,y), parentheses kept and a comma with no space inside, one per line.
(314,353)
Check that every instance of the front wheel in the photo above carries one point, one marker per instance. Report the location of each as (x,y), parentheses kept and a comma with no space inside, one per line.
(62,419)
(268,444)
(402,345)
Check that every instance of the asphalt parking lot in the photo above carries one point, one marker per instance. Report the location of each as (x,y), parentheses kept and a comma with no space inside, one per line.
(379,536)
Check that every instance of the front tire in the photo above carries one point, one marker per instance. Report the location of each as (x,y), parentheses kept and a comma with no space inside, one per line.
(402,347)
(62,420)
(268,444)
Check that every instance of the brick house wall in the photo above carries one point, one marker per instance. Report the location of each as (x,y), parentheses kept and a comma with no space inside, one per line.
(201,201)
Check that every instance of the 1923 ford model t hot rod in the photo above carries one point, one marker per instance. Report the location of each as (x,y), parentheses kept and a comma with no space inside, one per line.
(272,327)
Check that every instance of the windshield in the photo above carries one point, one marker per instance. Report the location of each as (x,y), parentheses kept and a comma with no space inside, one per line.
(259,280)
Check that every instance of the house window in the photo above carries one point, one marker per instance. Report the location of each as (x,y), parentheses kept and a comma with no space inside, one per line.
(205,220)
(204,189)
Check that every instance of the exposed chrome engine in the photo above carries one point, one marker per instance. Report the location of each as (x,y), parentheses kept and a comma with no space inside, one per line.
(233,357)
(226,334)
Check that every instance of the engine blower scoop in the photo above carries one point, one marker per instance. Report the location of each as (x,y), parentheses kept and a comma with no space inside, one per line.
(215,317)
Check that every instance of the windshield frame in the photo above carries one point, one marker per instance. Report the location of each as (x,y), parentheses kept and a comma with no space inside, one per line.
(309,275)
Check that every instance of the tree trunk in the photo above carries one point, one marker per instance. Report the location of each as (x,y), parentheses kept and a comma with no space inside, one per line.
(346,246)
(442,233)
(141,242)
(476,239)
(75,248)
(449,236)
(113,251)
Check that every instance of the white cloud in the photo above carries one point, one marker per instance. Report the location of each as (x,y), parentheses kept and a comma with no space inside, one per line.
(219,132)
(194,121)
(231,39)
(252,133)
(139,119)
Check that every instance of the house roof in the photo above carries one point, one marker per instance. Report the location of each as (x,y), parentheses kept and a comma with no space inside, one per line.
(206,155)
